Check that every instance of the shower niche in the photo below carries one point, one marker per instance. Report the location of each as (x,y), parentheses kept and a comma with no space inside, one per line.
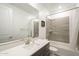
(58,29)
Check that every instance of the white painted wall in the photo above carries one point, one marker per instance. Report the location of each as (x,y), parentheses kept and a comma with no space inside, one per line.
(42,30)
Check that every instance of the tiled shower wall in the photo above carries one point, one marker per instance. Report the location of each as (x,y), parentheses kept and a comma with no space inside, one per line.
(59,30)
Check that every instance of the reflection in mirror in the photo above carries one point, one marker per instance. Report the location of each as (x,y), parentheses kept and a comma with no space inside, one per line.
(14,24)
(35,28)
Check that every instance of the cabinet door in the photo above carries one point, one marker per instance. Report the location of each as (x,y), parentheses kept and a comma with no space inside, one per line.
(44,51)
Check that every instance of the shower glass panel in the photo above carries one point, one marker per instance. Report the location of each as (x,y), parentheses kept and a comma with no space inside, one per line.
(60,30)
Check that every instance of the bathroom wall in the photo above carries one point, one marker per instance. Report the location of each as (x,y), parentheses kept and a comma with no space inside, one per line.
(42,30)
(59,29)
(73,29)
(44,13)
(15,23)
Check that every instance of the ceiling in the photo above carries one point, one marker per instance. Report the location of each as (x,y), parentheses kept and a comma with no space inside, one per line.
(26,7)
(52,6)
(35,8)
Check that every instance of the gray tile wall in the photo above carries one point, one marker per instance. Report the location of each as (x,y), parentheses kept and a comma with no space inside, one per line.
(59,30)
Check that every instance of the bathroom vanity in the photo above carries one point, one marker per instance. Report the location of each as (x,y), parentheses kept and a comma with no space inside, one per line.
(39,47)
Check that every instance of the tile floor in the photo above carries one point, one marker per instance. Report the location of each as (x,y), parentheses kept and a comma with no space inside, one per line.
(63,52)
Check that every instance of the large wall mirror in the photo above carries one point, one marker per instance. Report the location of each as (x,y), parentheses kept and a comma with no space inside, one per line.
(14,24)
(15,30)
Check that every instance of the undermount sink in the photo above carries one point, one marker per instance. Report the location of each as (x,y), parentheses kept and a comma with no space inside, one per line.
(28,40)
(31,42)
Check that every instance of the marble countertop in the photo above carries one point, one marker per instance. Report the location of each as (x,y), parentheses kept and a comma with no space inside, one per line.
(25,50)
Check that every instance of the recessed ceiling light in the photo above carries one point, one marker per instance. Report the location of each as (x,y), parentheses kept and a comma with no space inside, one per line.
(59,7)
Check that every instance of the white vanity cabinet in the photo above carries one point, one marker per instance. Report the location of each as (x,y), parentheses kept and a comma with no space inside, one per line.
(39,47)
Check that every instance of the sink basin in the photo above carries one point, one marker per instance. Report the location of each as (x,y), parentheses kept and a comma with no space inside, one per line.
(28,40)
